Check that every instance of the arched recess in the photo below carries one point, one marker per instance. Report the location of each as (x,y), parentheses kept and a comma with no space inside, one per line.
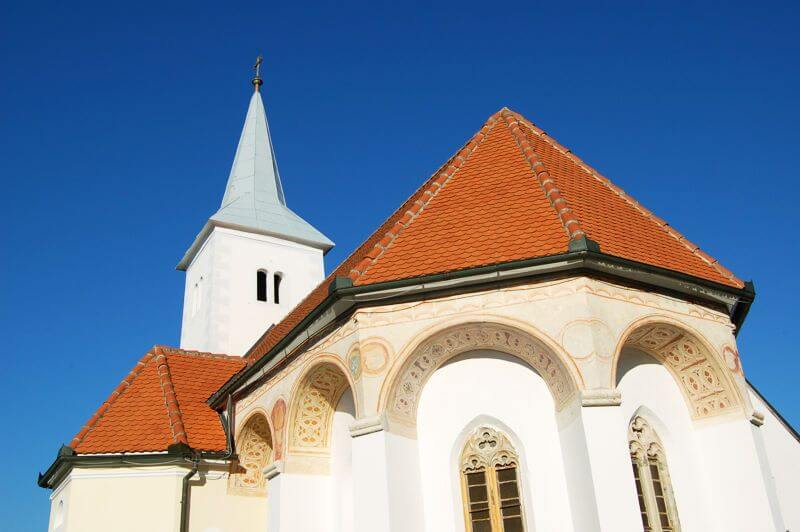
(312,408)
(402,397)
(254,446)
(703,379)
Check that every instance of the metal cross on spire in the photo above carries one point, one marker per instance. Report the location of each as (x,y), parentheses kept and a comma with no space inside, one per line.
(257,81)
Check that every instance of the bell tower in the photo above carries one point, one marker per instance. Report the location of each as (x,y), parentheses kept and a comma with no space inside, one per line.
(254,259)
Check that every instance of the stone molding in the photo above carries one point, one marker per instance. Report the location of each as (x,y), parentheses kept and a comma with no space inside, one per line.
(601,397)
(273,470)
(368,425)
(757,418)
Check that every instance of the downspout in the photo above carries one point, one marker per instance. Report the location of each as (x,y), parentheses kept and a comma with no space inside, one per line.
(185,492)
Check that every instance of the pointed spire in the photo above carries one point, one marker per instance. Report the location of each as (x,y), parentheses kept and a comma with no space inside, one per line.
(254,199)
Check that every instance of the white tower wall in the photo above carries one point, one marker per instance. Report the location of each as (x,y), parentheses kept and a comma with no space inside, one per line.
(221,313)
(253,230)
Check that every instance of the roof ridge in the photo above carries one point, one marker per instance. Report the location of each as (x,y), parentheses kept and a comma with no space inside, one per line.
(121,388)
(661,223)
(170,399)
(431,188)
(568,218)
(194,353)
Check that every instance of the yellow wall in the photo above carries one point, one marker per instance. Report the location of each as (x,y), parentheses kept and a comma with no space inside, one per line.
(139,498)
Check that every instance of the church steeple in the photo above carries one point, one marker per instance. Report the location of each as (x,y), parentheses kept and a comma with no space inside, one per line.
(254,200)
(254,259)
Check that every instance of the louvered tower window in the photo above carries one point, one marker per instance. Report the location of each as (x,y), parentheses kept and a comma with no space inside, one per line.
(490,483)
(653,487)
(261,285)
(276,288)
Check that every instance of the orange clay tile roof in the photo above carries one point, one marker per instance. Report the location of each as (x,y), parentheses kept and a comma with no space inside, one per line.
(159,403)
(510,193)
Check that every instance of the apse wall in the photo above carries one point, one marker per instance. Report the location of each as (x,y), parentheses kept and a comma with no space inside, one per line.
(783,453)
(650,390)
(342,464)
(487,387)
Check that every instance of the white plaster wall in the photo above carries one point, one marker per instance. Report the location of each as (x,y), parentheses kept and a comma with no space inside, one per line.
(783,454)
(147,498)
(122,500)
(493,388)
(229,318)
(213,509)
(648,388)
(342,464)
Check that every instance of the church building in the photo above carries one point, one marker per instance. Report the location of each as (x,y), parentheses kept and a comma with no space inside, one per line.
(520,346)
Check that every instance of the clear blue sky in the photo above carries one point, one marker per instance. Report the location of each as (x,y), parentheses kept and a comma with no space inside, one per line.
(118,125)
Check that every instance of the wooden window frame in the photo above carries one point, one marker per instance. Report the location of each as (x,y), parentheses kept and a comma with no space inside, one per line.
(647,452)
(489,451)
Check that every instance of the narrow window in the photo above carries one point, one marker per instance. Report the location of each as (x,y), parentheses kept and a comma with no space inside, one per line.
(261,285)
(653,487)
(197,296)
(490,483)
(276,288)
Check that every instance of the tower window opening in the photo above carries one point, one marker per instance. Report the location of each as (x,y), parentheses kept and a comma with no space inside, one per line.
(276,288)
(261,285)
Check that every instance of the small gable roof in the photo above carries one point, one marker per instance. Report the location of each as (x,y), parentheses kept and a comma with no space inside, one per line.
(161,402)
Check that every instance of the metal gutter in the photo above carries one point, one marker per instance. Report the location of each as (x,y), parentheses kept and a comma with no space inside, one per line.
(67,459)
(584,258)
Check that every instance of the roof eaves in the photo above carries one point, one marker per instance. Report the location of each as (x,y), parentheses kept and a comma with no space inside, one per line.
(570,262)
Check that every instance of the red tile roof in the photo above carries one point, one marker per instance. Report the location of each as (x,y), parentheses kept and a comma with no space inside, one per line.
(510,193)
(162,401)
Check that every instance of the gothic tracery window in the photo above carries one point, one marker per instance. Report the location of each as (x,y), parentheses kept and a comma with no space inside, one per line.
(490,483)
(653,486)
(254,450)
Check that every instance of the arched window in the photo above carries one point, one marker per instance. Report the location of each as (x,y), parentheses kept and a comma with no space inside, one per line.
(276,288)
(653,486)
(261,285)
(490,483)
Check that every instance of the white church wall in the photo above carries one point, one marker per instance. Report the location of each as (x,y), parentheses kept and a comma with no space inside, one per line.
(148,498)
(483,386)
(123,500)
(783,454)
(602,488)
(342,464)
(649,389)
(215,509)
(587,320)
(223,315)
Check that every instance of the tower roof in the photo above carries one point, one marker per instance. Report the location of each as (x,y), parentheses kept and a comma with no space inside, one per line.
(511,193)
(254,199)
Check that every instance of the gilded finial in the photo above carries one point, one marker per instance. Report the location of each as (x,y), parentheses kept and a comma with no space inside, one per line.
(257,81)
